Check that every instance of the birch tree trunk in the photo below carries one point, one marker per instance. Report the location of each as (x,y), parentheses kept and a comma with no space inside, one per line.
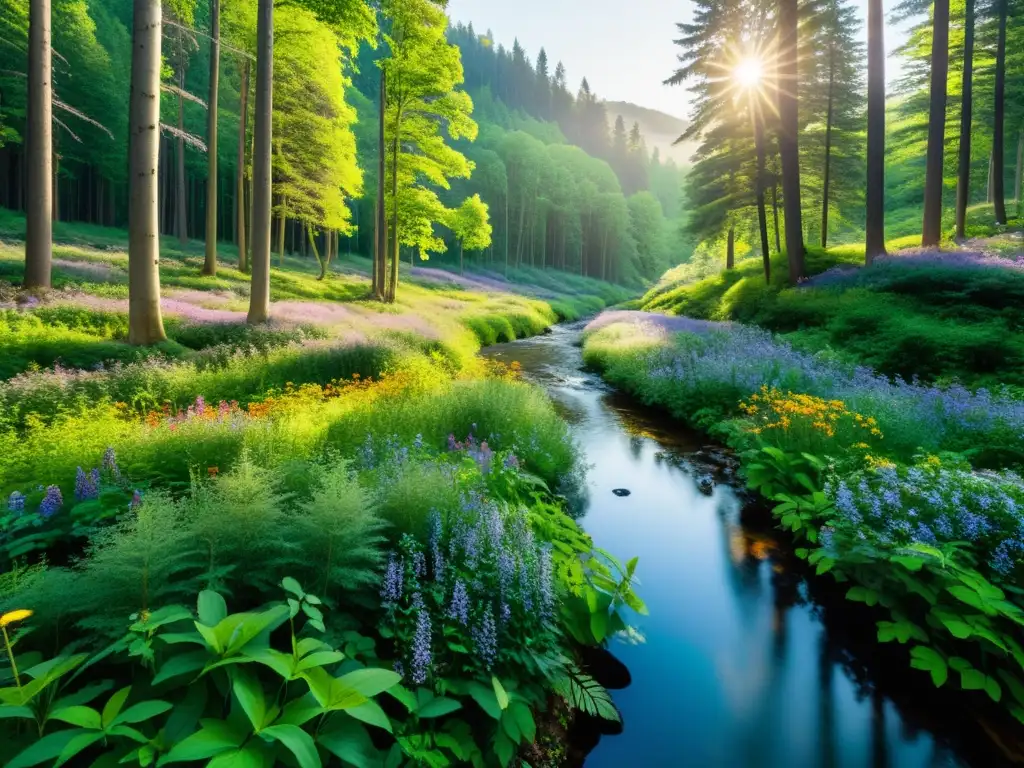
(259,293)
(243,252)
(145,325)
(39,213)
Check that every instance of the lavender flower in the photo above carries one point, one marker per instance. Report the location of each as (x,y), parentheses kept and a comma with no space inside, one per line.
(16,502)
(391,591)
(110,463)
(511,462)
(421,655)
(85,485)
(436,532)
(485,639)
(52,502)
(545,582)
(459,607)
(136,501)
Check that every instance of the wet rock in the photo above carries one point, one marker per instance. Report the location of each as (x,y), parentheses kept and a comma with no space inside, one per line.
(706,483)
(621,492)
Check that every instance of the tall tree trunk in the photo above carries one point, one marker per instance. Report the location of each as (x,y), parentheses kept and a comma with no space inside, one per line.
(1018,179)
(506,232)
(990,193)
(730,249)
(393,282)
(380,224)
(775,217)
(181,219)
(963,184)
(282,226)
(762,214)
(788,146)
(145,325)
(55,187)
(210,266)
(931,230)
(39,213)
(828,148)
(259,293)
(874,191)
(998,192)
(243,114)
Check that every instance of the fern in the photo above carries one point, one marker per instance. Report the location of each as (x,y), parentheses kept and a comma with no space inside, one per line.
(584,693)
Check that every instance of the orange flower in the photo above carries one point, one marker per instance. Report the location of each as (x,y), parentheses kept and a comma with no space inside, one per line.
(212,471)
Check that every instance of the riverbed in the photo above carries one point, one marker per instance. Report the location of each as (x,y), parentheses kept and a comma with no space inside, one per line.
(742,664)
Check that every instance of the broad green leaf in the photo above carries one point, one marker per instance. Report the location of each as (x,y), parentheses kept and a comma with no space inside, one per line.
(142,711)
(83,717)
(214,737)
(181,664)
(370,712)
(291,585)
(403,695)
(249,756)
(862,595)
(249,692)
(349,741)
(925,658)
(7,711)
(212,608)
(127,732)
(959,629)
(992,689)
(908,562)
(499,692)
(297,741)
(332,693)
(81,741)
(599,625)
(114,704)
(441,706)
(485,698)
(371,681)
(524,720)
(300,711)
(282,663)
(47,748)
(320,659)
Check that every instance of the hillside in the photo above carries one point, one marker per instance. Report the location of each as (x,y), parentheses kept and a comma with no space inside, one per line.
(659,129)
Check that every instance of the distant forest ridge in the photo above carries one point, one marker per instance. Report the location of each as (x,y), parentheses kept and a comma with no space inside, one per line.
(659,129)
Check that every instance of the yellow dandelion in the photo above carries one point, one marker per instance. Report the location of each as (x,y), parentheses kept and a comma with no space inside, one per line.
(12,616)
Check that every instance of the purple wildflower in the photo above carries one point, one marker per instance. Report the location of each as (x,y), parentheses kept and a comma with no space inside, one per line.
(391,592)
(110,463)
(52,502)
(459,607)
(485,639)
(421,655)
(1002,561)
(136,501)
(85,485)
(545,582)
(511,462)
(16,502)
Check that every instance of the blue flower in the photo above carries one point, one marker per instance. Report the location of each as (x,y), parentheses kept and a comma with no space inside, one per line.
(16,502)
(421,655)
(485,639)
(86,486)
(459,607)
(391,591)
(52,502)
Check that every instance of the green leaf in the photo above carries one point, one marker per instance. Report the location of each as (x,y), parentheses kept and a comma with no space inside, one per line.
(330,692)
(349,741)
(370,712)
(249,756)
(959,629)
(908,562)
(524,720)
(128,732)
(925,658)
(405,696)
(214,737)
(371,681)
(212,608)
(142,711)
(181,664)
(84,717)
(485,698)
(300,711)
(291,585)
(971,597)
(249,692)
(7,711)
(599,625)
(298,742)
(47,748)
(499,692)
(442,706)
(320,659)
(504,748)
(581,691)
(79,742)
(114,704)
(862,595)
(992,689)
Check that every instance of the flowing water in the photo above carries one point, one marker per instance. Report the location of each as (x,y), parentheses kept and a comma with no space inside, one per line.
(744,664)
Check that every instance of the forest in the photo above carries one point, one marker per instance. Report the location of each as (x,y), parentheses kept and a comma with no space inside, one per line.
(375,393)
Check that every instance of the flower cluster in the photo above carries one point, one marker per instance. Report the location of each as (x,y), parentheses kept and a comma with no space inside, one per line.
(769,408)
(87,484)
(480,577)
(478,450)
(932,505)
(52,501)
(199,411)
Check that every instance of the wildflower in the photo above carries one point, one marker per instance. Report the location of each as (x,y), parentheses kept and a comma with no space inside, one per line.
(85,487)
(485,639)
(110,463)
(1002,561)
(459,607)
(399,668)
(418,442)
(12,616)
(52,502)
(391,592)
(212,471)
(436,531)
(421,655)
(136,501)
(924,534)
(16,502)
(944,527)
(511,462)
(545,587)
(419,565)
(506,612)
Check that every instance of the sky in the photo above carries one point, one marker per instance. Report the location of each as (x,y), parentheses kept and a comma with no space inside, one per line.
(624,48)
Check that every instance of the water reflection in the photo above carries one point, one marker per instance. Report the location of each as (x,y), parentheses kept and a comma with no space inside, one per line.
(739,668)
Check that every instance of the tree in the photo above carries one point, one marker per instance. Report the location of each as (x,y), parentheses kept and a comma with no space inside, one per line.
(39,202)
(423,72)
(145,324)
(788,129)
(932,226)
(963,186)
(874,189)
(259,292)
(210,265)
(471,227)
(998,193)
(243,115)
(543,86)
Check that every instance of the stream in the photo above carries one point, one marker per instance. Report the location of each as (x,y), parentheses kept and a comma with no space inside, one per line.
(744,664)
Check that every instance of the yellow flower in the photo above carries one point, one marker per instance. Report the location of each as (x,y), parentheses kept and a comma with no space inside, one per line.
(13,616)
(933,461)
(861,446)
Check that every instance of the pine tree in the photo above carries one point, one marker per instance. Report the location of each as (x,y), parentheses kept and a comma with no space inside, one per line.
(932,225)
(543,99)
(963,187)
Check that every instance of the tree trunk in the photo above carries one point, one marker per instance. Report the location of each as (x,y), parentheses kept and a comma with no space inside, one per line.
(730,249)
(259,294)
(55,187)
(931,230)
(282,226)
(998,192)
(775,217)
(179,187)
(323,262)
(828,149)
(145,325)
(963,185)
(380,226)
(462,265)
(506,232)
(874,192)
(762,215)
(1018,179)
(210,267)
(243,114)
(788,145)
(39,213)
(393,283)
